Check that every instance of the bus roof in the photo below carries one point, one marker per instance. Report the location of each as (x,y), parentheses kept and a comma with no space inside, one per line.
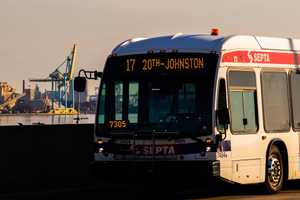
(204,44)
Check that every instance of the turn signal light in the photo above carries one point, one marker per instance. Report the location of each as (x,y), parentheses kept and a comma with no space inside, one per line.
(208,141)
(99,141)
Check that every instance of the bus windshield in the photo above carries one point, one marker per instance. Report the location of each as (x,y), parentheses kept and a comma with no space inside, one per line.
(173,97)
(172,102)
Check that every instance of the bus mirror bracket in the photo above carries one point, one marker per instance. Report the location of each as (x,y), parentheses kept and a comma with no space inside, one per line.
(91,75)
(83,75)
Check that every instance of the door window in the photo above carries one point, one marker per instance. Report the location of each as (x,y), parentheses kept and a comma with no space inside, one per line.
(242,95)
(243,111)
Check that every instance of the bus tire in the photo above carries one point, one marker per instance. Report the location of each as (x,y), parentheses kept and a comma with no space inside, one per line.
(274,170)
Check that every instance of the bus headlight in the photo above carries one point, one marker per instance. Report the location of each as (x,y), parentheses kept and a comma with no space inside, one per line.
(208,149)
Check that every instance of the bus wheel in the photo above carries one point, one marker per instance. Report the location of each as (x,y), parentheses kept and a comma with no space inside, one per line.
(274,170)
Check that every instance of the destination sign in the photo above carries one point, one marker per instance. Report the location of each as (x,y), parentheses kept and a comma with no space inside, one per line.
(167,64)
(147,65)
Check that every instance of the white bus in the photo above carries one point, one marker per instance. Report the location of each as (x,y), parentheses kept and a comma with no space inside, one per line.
(219,106)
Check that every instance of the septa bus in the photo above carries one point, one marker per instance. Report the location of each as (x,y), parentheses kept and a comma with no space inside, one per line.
(223,106)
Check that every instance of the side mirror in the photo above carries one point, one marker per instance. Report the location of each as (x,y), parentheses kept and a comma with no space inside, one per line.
(80,81)
(79,84)
(222,123)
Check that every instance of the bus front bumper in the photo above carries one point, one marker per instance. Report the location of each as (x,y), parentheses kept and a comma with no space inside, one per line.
(177,169)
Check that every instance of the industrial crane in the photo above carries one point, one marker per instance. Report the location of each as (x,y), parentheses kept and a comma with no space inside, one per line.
(11,101)
(62,83)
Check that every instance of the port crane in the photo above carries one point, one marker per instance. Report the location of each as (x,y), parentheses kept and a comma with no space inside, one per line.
(61,79)
(11,101)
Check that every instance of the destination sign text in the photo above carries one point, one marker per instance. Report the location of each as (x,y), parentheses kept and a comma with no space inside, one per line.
(166,64)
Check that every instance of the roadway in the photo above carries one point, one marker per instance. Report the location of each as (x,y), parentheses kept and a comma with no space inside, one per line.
(102,190)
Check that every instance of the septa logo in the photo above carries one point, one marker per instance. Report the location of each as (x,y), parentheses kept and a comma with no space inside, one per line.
(153,149)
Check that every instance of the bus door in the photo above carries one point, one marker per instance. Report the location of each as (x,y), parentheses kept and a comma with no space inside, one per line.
(246,161)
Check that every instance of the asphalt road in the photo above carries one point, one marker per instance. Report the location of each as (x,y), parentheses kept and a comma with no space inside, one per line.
(152,190)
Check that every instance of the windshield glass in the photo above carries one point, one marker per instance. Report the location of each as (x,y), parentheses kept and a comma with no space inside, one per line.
(157,101)
(173,99)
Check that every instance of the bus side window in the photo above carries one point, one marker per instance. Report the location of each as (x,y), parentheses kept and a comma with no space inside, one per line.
(243,105)
(275,101)
(295,88)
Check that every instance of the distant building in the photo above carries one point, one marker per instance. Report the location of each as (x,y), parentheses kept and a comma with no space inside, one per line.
(32,94)
(37,93)
(29,94)
(6,92)
(96,90)
(87,99)
(93,98)
(81,96)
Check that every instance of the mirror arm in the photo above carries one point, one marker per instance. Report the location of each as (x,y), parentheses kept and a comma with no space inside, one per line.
(90,74)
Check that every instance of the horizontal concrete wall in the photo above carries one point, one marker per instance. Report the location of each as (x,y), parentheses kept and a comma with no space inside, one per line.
(44,154)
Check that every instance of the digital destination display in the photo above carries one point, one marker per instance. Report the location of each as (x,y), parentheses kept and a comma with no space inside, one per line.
(188,63)
(152,64)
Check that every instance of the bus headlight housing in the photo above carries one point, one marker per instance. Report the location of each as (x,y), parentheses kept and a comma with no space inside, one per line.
(208,144)
(99,141)
(99,146)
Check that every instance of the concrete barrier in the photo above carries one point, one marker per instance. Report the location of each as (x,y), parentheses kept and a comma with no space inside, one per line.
(45,154)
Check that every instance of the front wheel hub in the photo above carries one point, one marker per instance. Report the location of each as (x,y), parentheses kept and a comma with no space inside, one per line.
(274,170)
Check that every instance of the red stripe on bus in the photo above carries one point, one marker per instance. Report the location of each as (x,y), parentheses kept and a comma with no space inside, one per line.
(261,57)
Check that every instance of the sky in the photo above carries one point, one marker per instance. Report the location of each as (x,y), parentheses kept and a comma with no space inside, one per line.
(37,35)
